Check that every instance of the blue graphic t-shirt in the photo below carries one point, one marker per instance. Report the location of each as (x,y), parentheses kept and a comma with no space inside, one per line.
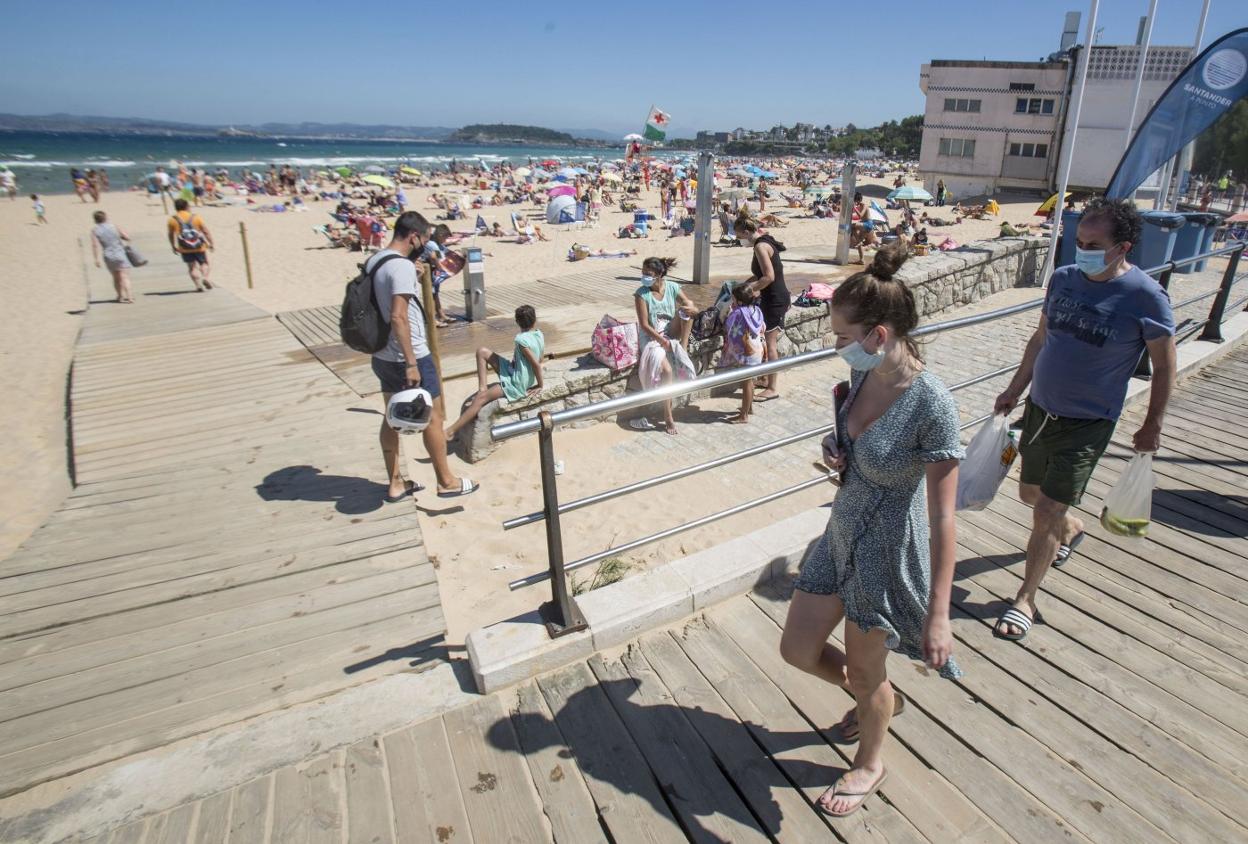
(1096,334)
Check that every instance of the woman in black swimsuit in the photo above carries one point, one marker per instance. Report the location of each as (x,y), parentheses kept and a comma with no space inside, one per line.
(767,280)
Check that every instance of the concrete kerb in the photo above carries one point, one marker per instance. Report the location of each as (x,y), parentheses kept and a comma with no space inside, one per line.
(513,651)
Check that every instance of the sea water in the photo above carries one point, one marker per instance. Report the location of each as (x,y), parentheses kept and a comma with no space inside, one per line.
(41,161)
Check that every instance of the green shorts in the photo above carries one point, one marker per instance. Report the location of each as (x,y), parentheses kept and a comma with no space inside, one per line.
(1060,453)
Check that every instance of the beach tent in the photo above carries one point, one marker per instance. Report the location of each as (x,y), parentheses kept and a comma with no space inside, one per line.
(557,206)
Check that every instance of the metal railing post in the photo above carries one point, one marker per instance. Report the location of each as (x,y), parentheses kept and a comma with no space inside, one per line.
(560,613)
(1213,328)
(1144,369)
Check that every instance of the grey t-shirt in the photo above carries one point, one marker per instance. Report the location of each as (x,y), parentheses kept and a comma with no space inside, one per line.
(1096,335)
(398,277)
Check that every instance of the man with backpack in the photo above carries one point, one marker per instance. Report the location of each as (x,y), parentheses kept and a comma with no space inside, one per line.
(190,238)
(405,361)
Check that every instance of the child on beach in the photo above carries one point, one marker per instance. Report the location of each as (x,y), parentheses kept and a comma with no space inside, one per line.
(743,344)
(38,206)
(435,251)
(517,378)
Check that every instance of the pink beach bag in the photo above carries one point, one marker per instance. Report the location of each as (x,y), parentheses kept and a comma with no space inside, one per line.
(615,343)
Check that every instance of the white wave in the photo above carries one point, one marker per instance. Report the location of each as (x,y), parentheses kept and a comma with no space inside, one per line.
(25,156)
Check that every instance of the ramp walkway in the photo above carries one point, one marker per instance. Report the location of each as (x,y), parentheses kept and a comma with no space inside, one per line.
(225,552)
(1122,717)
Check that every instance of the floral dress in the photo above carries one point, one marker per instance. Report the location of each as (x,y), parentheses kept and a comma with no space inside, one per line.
(874,554)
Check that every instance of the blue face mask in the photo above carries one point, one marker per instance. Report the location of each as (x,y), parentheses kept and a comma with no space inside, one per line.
(859,358)
(1091,261)
(647,280)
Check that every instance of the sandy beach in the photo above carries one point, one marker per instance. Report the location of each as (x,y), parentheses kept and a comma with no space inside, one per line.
(43,293)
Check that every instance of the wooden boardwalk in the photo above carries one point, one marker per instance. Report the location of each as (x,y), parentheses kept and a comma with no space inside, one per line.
(1122,718)
(568,308)
(225,552)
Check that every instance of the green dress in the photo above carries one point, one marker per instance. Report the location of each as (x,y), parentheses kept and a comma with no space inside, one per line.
(516,375)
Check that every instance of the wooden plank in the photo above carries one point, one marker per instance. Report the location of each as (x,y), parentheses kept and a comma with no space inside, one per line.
(808,759)
(326,796)
(427,807)
(368,796)
(1010,802)
(784,814)
(560,786)
(290,806)
(249,818)
(1108,717)
(1173,715)
(131,833)
(628,799)
(500,798)
(697,790)
(177,825)
(212,823)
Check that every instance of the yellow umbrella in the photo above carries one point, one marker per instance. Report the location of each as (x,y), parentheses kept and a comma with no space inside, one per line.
(1043,210)
(411,171)
(379,181)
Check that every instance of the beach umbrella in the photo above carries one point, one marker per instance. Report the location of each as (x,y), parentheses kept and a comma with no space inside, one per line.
(1241,217)
(379,181)
(411,171)
(1047,205)
(609,176)
(374,168)
(820,191)
(633,136)
(876,213)
(580,171)
(345,172)
(911,193)
(551,162)
(561,190)
(522,172)
(567,173)
(735,193)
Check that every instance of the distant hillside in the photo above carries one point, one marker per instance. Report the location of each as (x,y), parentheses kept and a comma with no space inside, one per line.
(143,126)
(484,133)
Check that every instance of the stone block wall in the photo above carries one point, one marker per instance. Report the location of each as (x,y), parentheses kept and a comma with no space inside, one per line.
(940,282)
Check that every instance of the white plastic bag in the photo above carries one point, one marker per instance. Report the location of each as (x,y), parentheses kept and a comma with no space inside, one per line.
(1129,505)
(988,460)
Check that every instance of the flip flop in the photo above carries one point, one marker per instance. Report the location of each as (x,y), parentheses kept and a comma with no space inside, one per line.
(411,489)
(1065,550)
(851,718)
(641,423)
(863,796)
(466,487)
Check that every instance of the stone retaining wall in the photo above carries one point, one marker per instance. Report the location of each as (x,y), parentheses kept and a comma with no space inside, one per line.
(940,282)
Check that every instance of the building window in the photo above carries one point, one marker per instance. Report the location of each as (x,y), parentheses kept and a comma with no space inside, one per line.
(1022,86)
(957,147)
(1030,150)
(952,104)
(1033,105)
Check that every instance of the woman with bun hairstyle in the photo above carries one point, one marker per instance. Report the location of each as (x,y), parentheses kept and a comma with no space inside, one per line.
(885,563)
(767,281)
(664,320)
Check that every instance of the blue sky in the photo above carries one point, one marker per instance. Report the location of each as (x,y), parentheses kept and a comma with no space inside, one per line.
(552,63)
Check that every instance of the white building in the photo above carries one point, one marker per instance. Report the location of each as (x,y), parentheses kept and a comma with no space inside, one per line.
(997,126)
(991,126)
(1102,135)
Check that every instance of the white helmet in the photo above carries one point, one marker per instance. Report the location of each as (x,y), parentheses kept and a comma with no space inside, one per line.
(409,411)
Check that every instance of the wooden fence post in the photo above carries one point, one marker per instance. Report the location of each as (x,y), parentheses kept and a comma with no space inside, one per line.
(242,230)
(431,329)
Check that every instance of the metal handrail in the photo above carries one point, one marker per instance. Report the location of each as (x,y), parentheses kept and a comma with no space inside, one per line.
(630,401)
(561,613)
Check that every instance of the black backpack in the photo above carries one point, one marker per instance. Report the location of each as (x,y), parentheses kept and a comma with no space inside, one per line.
(707,324)
(361,324)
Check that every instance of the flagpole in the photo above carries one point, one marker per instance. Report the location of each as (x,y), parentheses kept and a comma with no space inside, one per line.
(1068,145)
(1139,71)
(1189,151)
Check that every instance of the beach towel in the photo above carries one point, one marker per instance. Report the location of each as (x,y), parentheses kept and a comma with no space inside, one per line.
(947,244)
(650,370)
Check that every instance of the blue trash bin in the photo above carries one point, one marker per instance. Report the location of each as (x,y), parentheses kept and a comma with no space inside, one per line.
(641,220)
(1066,244)
(1157,239)
(1195,237)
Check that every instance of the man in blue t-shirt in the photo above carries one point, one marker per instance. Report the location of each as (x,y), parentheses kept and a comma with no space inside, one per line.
(1099,317)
